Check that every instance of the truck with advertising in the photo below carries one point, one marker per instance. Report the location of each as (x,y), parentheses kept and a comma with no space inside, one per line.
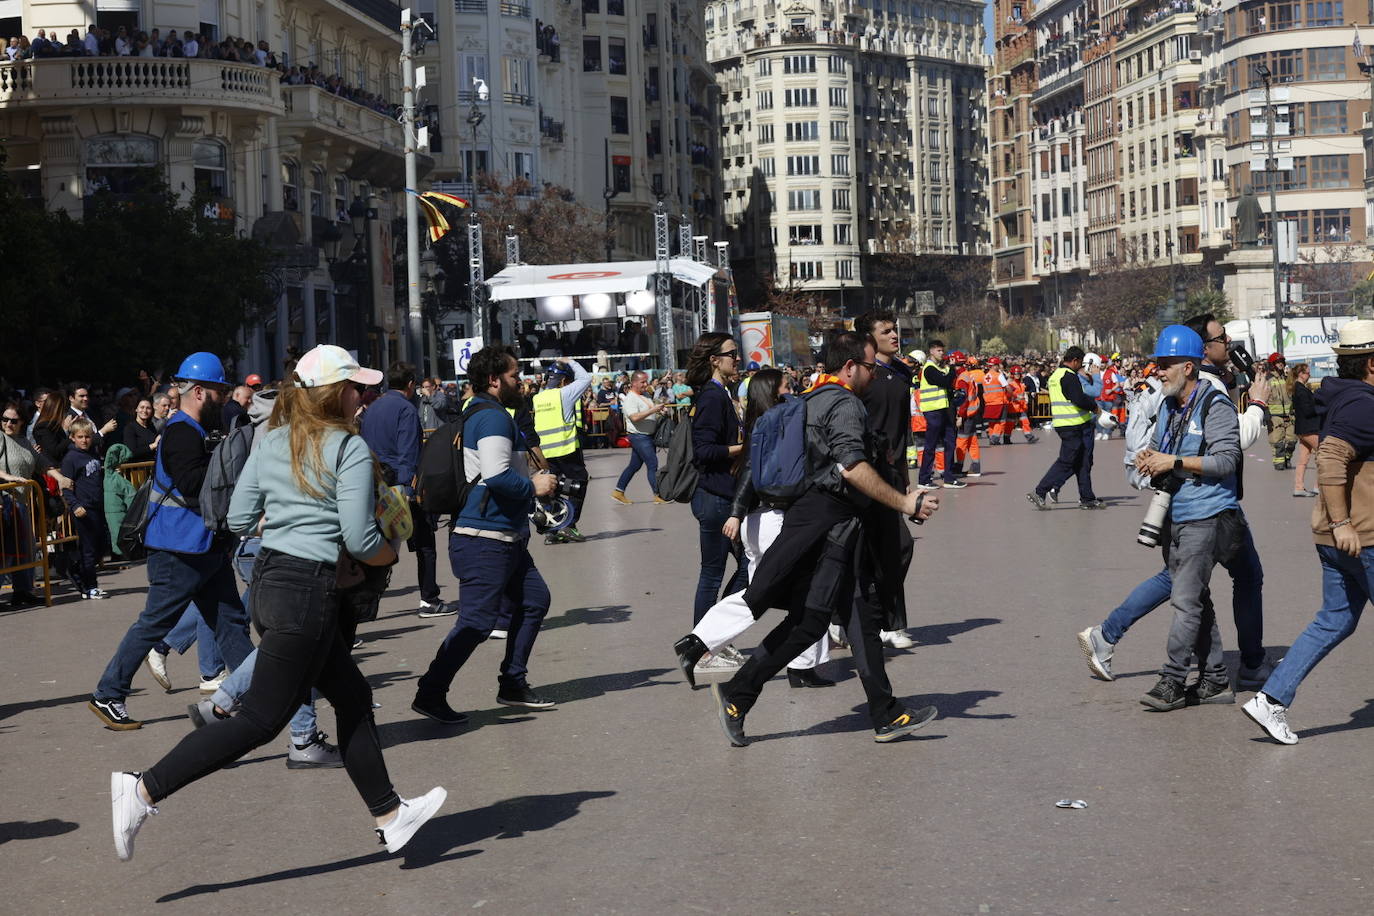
(770,339)
(1305,340)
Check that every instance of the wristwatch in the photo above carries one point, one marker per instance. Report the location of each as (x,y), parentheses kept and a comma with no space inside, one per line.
(1178,463)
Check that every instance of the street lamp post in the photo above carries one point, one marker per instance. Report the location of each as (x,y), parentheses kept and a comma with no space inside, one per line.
(1272,176)
(360,217)
(476,299)
(331,237)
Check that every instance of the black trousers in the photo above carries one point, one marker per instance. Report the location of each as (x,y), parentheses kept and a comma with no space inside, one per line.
(422,545)
(573,467)
(296,614)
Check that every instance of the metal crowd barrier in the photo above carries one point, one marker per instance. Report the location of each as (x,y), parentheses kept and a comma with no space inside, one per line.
(24,535)
(1040,407)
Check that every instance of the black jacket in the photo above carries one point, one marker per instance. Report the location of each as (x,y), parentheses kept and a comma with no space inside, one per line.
(139,439)
(1306,422)
(888,399)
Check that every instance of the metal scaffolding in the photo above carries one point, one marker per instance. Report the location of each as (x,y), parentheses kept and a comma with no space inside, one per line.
(477,290)
(663,291)
(703,292)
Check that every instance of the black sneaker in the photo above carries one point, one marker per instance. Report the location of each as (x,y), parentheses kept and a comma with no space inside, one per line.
(1165,695)
(1092,504)
(956,484)
(905,724)
(1036,500)
(21,600)
(556,537)
(437,708)
(732,721)
(572,534)
(113,714)
(523,697)
(1209,692)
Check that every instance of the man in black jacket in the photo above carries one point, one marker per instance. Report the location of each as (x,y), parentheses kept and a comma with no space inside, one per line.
(1072,414)
(811,567)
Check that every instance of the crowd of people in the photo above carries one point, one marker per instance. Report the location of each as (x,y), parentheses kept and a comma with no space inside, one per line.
(805,477)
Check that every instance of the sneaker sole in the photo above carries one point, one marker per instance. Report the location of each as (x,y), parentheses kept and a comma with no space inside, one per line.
(1161,706)
(414,707)
(1225,698)
(927,716)
(112,724)
(429,614)
(427,812)
(521,704)
(1264,728)
(309,765)
(162,681)
(1085,643)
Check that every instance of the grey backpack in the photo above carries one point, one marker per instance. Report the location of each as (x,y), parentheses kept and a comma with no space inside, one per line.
(226,464)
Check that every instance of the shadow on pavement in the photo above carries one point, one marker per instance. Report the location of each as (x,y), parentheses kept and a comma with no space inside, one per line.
(603,613)
(950,705)
(585,688)
(13,709)
(34,830)
(504,820)
(939,634)
(607,535)
(1360,718)
(369,635)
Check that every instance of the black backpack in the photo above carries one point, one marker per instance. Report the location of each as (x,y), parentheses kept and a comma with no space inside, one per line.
(678,475)
(442,482)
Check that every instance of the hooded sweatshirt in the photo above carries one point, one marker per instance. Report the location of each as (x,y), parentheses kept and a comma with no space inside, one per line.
(119,493)
(1346,408)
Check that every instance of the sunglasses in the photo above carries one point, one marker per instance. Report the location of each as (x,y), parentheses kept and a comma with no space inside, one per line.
(732,354)
(1221,338)
(9,419)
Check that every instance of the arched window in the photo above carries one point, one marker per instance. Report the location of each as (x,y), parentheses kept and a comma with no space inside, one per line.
(121,165)
(212,172)
(290,185)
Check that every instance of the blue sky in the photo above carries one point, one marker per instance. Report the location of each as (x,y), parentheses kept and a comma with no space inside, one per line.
(987,24)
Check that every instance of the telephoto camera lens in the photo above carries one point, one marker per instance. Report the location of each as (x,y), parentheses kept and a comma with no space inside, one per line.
(1153,523)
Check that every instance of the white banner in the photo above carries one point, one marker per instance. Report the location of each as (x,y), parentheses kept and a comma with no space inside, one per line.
(463,349)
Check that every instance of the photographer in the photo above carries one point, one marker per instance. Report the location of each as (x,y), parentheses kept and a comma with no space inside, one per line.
(489,545)
(1196,453)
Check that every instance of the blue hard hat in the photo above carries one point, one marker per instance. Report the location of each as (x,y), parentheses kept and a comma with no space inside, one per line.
(1178,340)
(753,366)
(202,367)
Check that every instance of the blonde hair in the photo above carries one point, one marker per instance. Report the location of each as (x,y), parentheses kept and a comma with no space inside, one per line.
(310,414)
(1294,371)
(80,425)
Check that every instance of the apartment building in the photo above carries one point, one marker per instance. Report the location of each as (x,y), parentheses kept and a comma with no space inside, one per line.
(1011,123)
(611,99)
(848,129)
(271,153)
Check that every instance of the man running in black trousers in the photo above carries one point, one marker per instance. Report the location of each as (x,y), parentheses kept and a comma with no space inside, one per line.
(810,569)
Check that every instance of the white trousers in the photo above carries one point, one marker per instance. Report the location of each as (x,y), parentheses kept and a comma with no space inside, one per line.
(730,616)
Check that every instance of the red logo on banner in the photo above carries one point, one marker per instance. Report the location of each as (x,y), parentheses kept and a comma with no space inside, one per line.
(585,275)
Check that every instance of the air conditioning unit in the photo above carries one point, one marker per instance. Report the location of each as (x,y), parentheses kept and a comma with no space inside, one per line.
(1195,56)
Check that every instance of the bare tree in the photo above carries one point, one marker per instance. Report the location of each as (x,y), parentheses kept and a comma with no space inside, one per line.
(553,227)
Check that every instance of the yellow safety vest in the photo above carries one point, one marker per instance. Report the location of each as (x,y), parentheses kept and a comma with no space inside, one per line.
(557,434)
(932,398)
(1064,412)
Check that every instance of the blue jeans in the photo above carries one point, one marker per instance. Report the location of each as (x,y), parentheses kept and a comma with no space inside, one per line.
(1347,586)
(642,454)
(1075,460)
(1247,603)
(190,630)
(940,434)
(495,578)
(303,723)
(711,511)
(174,581)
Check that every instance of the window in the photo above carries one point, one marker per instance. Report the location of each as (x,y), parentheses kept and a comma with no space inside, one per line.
(805,235)
(767,167)
(317,192)
(799,63)
(763,99)
(1326,63)
(803,165)
(839,130)
(212,174)
(620,176)
(522,166)
(844,268)
(839,198)
(804,200)
(620,115)
(591,6)
(615,55)
(474,66)
(1330,226)
(936,170)
(806,270)
(799,98)
(615,7)
(1325,117)
(934,138)
(290,185)
(209,20)
(844,234)
(839,164)
(838,64)
(516,74)
(1324,13)
(591,53)
(802,130)
(765,133)
(1329,171)
(763,67)
(340,199)
(839,97)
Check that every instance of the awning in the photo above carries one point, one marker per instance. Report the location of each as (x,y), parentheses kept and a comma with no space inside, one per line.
(533,281)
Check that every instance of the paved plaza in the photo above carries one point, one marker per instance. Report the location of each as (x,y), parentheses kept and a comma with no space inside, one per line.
(626,799)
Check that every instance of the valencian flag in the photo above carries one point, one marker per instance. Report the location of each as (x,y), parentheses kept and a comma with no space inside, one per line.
(434,218)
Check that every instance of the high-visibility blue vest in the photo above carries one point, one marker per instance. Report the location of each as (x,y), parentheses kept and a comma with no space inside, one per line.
(172,526)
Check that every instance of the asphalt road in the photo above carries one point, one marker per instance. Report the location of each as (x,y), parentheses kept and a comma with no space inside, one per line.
(627,798)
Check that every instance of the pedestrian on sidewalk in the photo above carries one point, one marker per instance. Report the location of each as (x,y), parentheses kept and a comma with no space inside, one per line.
(641,422)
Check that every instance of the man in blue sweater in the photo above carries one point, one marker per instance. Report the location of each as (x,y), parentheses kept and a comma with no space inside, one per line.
(391,428)
(489,545)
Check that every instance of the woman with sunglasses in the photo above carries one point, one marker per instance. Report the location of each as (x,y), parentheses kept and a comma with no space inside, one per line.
(19,463)
(712,368)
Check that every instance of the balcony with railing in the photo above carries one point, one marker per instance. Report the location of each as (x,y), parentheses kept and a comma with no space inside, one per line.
(139,81)
(515,10)
(314,116)
(551,129)
(470,6)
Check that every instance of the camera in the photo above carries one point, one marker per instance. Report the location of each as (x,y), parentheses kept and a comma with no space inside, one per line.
(569,488)
(1152,525)
(555,512)
(1241,358)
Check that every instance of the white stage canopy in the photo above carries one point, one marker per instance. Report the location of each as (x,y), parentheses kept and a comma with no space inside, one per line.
(536,281)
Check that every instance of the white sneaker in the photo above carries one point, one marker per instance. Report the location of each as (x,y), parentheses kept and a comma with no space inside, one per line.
(96,593)
(1098,651)
(499,634)
(1271,717)
(896,639)
(838,637)
(157,667)
(128,811)
(717,661)
(409,818)
(213,683)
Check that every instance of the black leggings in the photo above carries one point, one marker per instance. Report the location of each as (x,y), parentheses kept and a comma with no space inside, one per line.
(295,612)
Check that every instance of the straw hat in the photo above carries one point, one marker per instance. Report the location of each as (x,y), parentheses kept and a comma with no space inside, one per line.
(1356,338)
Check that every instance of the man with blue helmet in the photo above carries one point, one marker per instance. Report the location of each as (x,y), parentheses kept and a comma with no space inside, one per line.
(186,560)
(557,421)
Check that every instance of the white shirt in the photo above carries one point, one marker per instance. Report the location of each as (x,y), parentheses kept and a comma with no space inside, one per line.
(191,48)
(92,44)
(630,404)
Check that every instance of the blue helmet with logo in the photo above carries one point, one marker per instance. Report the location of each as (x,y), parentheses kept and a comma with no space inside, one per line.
(202,367)
(1178,340)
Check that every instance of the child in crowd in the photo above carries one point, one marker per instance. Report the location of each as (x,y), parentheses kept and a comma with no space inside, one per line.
(86,499)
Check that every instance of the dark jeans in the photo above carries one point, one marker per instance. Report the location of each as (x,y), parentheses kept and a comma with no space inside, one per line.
(422,545)
(1075,459)
(940,434)
(711,511)
(92,535)
(174,581)
(496,580)
(296,613)
(642,455)
(573,467)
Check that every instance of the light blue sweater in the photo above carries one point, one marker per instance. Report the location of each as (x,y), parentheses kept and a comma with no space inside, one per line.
(296,523)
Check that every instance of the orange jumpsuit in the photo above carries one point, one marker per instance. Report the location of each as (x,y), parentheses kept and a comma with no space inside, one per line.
(995,403)
(970,412)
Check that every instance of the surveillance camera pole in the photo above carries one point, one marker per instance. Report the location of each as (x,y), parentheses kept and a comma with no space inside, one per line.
(413,348)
